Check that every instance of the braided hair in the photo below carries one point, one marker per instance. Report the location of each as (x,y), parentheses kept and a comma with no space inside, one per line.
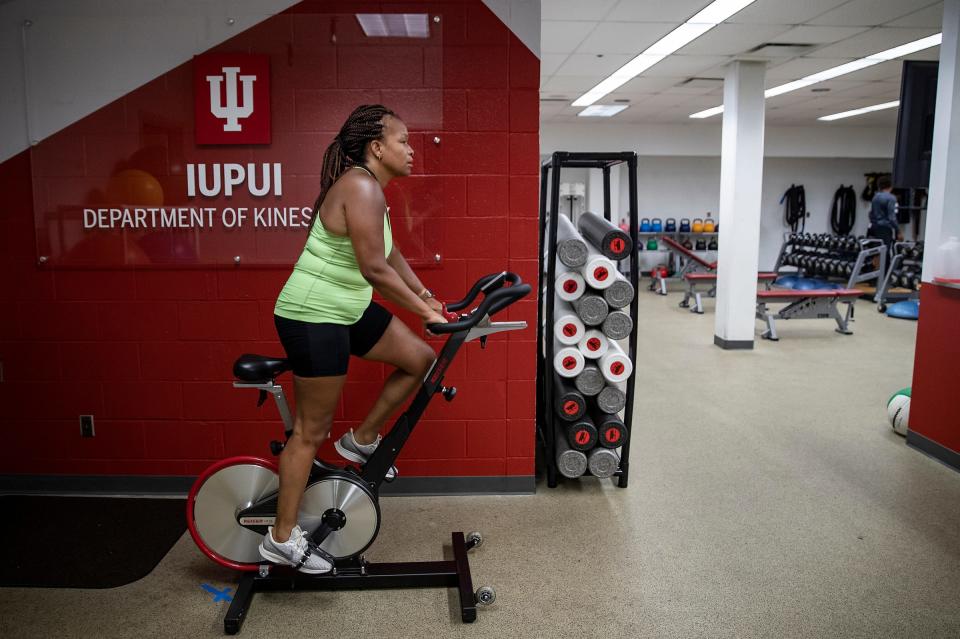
(349,146)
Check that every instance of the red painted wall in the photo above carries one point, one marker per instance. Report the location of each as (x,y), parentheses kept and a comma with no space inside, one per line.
(934,411)
(148,352)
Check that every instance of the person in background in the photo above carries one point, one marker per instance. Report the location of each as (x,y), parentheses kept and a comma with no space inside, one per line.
(883,214)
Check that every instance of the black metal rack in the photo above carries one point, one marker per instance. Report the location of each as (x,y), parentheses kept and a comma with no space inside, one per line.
(545,296)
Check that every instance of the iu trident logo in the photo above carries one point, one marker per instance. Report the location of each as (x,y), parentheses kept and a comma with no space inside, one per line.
(232,99)
(231,112)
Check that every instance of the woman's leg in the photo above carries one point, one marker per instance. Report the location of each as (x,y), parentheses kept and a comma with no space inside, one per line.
(412,356)
(316,399)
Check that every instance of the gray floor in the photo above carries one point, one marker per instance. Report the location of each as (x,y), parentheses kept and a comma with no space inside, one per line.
(768,498)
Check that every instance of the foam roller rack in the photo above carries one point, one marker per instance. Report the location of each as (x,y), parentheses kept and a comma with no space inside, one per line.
(587,328)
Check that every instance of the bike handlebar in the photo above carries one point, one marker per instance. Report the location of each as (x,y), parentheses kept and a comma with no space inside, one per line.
(495,299)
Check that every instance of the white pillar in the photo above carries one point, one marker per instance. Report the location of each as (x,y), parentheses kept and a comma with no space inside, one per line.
(741,178)
(942,216)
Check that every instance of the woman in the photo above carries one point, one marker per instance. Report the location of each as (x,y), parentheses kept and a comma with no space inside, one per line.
(324,314)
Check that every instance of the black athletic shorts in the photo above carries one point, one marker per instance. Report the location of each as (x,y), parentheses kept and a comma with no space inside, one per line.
(324,349)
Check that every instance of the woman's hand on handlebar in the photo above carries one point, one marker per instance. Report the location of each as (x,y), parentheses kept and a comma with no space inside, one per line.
(433,318)
(434,304)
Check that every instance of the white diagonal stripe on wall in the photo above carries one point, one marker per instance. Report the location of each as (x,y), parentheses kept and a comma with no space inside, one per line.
(83,54)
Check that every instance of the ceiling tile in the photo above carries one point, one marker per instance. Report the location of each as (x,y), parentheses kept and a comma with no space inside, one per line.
(731,39)
(783,11)
(889,71)
(799,68)
(563,36)
(587,64)
(567,83)
(869,13)
(550,62)
(931,18)
(881,91)
(806,34)
(624,37)
(932,54)
(870,42)
(675,12)
(575,9)
(683,65)
(647,85)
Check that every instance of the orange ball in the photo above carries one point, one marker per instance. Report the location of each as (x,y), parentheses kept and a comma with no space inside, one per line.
(134,187)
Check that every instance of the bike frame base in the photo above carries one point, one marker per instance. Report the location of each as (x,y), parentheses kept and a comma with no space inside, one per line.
(355,574)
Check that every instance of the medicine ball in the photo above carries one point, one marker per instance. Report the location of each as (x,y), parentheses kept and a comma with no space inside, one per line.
(898,410)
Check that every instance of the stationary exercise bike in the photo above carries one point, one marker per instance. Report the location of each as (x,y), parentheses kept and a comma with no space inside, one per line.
(233,502)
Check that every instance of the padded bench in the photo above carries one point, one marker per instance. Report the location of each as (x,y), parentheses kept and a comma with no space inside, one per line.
(814,304)
(696,282)
(692,263)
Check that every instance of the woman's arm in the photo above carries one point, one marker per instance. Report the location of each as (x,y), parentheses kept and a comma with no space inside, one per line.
(399,264)
(364,217)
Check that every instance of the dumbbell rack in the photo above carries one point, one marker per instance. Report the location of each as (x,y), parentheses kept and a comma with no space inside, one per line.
(823,247)
(546,417)
(905,254)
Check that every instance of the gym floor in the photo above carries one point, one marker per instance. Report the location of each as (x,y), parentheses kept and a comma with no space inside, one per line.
(768,498)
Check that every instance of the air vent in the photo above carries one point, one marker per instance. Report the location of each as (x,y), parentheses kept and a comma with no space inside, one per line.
(780,49)
(702,83)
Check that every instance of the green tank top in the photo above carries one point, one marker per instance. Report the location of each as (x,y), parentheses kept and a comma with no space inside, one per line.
(326,284)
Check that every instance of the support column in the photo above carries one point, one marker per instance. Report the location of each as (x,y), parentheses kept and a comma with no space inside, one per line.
(741,179)
(934,413)
(942,216)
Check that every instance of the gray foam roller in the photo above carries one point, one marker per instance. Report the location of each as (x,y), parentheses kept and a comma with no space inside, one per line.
(570,463)
(619,294)
(611,399)
(590,381)
(618,325)
(592,309)
(603,462)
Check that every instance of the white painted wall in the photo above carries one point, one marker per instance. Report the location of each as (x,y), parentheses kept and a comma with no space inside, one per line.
(679,187)
(825,140)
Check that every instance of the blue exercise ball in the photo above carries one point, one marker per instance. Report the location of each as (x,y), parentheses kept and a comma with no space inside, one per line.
(907,309)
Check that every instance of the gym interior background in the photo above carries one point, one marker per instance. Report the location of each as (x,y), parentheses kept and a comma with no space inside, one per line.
(768,495)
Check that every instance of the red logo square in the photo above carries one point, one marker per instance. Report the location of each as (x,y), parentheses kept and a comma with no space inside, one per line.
(231,97)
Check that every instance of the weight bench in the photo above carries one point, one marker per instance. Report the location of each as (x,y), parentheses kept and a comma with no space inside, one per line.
(692,263)
(815,304)
(709,281)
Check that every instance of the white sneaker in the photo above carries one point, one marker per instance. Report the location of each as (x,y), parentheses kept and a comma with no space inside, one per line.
(296,551)
(349,449)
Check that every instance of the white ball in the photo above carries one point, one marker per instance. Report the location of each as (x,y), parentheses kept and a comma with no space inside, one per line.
(898,409)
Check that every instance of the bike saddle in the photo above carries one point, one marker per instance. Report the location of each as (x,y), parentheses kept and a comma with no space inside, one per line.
(259,368)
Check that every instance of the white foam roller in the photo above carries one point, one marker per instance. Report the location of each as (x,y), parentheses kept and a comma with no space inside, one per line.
(568,329)
(568,361)
(599,271)
(594,344)
(570,286)
(615,366)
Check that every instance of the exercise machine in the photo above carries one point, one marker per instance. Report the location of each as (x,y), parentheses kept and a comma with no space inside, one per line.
(233,502)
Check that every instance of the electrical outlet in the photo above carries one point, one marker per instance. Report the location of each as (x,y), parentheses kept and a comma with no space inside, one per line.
(86,426)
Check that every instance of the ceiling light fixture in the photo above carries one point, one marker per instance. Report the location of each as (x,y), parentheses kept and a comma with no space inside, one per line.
(843,69)
(602,110)
(394,25)
(869,109)
(709,17)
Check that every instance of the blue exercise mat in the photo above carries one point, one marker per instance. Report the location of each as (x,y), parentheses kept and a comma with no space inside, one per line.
(908,309)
